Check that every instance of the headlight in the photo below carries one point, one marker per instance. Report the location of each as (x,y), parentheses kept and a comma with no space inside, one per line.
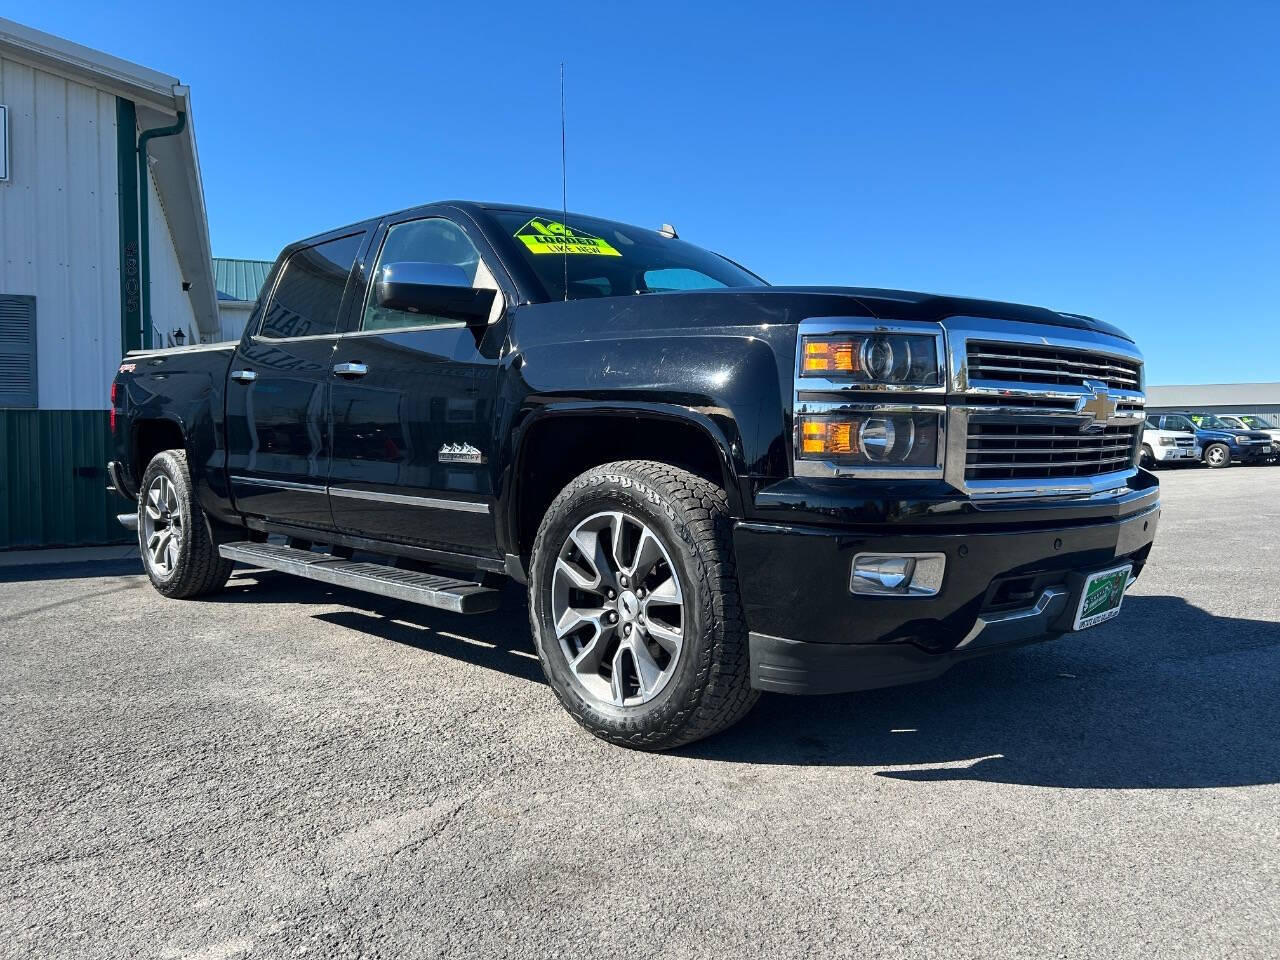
(873,358)
(1167,442)
(872,438)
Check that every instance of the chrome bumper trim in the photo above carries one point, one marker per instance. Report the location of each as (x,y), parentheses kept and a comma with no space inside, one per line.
(1014,625)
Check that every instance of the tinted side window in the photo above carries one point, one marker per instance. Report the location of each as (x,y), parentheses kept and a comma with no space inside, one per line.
(309,294)
(432,240)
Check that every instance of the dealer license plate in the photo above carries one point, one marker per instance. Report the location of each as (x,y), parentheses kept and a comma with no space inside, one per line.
(1266,448)
(1102,595)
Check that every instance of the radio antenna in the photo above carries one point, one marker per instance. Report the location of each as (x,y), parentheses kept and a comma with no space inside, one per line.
(564,190)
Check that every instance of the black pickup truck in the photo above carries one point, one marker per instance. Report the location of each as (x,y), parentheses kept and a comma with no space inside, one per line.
(710,485)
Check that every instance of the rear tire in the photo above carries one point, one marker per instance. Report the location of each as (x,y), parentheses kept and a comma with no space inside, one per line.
(1217,455)
(645,548)
(174,534)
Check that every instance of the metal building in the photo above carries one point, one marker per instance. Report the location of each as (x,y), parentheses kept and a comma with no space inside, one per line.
(104,247)
(1215,398)
(238,283)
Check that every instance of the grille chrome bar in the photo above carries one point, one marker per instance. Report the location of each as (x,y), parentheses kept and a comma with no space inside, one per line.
(1028,363)
(1041,411)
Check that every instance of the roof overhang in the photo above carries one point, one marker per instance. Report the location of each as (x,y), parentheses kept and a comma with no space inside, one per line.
(159,99)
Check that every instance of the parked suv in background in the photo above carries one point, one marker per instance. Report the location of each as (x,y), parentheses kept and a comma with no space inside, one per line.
(711,486)
(1256,423)
(1221,443)
(1164,447)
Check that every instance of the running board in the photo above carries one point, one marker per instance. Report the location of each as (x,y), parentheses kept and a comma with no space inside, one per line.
(428,589)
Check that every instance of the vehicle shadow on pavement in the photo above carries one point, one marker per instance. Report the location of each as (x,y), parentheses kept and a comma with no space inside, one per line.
(497,641)
(88,569)
(1167,696)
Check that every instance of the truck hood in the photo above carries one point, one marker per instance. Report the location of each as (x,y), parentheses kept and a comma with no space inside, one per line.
(910,305)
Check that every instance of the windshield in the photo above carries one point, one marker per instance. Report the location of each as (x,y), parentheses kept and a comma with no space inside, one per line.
(607,259)
(1207,421)
(1257,423)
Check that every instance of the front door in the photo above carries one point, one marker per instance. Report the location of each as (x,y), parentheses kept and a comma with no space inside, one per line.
(278,440)
(411,420)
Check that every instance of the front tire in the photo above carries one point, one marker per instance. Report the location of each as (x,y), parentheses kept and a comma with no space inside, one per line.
(1148,459)
(177,546)
(1217,455)
(634,604)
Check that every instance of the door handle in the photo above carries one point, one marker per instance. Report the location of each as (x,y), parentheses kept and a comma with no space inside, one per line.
(243,376)
(350,369)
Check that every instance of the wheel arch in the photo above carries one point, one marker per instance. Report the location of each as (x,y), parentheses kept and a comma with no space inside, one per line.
(554,444)
(148,436)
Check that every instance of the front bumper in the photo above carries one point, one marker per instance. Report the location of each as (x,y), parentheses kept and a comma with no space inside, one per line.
(1250,452)
(1177,454)
(1002,588)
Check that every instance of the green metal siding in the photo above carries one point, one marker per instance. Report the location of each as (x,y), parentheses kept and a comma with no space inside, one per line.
(53,480)
(127,195)
(240,280)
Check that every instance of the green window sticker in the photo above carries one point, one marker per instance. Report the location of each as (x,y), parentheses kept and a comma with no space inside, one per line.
(541,235)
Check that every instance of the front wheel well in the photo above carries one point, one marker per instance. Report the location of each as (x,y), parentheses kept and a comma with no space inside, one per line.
(149,437)
(556,449)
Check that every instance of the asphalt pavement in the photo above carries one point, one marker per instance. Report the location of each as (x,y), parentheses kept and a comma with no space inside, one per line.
(290,770)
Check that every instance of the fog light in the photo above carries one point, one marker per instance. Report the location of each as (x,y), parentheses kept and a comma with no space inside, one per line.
(897,574)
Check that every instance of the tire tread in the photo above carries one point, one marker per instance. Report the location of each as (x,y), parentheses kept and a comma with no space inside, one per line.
(721,693)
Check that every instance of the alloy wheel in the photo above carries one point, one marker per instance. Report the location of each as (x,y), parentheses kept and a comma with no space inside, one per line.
(162,526)
(618,608)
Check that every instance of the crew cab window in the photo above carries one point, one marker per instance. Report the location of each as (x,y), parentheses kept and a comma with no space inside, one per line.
(433,240)
(308,295)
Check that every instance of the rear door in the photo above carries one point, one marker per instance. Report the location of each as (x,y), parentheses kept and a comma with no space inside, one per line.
(412,458)
(278,436)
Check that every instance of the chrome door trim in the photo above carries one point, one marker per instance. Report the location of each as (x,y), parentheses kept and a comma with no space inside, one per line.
(465,506)
(279,484)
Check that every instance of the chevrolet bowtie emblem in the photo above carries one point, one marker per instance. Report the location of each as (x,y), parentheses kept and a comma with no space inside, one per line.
(1099,405)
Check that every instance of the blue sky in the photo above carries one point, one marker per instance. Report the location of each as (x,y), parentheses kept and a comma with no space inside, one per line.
(1114,159)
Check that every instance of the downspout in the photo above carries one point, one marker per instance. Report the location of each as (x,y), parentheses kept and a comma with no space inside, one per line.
(144,219)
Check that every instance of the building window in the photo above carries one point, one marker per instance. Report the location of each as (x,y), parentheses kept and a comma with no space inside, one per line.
(17,351)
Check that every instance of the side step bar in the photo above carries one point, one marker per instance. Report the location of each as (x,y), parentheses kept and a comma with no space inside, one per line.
(430,590)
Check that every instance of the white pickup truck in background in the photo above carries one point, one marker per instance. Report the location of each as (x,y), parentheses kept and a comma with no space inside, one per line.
(1161,447)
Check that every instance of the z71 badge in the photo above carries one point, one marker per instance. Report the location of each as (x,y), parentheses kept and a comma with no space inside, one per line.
(460,453)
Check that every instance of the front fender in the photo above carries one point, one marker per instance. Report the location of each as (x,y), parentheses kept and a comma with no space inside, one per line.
(728,384)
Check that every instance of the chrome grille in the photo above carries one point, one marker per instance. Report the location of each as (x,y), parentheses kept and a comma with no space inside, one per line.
(1183,441)
(1032,363)
(1035,451)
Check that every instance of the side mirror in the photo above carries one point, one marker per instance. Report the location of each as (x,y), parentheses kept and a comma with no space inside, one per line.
(434,289)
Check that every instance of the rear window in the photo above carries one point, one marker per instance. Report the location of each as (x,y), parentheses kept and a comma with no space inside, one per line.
(606,259)
(309,294)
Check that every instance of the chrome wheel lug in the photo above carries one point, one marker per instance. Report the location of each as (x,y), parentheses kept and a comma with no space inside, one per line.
(627,629)
(610,594)
(613,617)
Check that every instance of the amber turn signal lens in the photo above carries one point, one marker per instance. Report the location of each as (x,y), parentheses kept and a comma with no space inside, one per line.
(830,356)
(827,437)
